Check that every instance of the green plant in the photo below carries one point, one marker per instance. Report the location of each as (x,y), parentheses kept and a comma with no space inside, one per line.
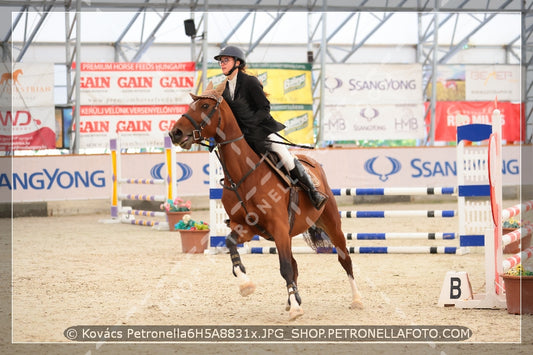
(511,223)
(187,223)
(518,270)
(178,205)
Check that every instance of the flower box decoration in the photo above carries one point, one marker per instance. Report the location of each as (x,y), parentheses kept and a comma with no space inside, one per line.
(517,279)
(175,210)
(194,235)
(518,245)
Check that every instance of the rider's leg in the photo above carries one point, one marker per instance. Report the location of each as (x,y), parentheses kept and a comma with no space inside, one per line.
(297,171)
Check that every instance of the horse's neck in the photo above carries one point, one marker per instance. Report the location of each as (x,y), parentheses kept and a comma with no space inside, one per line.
(237,156)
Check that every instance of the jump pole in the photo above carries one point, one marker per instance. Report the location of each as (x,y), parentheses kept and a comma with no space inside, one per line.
(356,250)
(219,230)
(120,214)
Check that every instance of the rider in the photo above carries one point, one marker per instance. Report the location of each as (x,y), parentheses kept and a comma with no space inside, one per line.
(240,85)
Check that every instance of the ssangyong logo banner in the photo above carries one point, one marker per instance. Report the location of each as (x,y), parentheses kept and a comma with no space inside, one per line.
(27,119)
(369,101)
(79,177)
(356,84)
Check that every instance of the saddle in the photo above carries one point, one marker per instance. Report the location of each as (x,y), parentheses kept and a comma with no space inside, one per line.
(277,167)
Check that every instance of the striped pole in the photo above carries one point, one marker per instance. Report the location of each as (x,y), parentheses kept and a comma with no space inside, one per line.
(142,181)
(388,236)
(142,197)
(146,223)
(517,234)
(391,236)
(516,210)
(388,191)
(117,196)
(517,259)
(357,250)
(144,213)
(386,214)
(394,191)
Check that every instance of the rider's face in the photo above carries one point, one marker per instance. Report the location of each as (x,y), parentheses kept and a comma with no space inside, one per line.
(226,63)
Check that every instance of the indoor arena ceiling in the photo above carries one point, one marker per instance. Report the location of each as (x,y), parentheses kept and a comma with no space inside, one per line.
(274,5)
(12,15)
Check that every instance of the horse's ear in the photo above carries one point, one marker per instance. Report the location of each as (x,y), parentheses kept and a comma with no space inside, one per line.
(209,86)
(221,87)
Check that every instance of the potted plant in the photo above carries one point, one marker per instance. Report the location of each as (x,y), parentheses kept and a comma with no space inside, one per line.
(175,210)
(518,245)
(518,279)
(194,235)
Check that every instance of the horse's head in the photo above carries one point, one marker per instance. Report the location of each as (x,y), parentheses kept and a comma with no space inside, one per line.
(201,120)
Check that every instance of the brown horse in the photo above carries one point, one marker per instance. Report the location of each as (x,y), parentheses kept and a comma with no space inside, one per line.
(257,199)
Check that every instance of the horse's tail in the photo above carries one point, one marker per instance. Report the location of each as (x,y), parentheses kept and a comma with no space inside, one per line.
(318,240)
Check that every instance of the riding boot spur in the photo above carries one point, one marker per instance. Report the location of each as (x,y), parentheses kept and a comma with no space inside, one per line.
(317,198)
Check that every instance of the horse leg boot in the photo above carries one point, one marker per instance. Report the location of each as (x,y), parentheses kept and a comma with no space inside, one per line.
(247,287)
(294,302)
(317,198)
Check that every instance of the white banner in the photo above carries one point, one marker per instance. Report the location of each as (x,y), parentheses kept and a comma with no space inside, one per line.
(488,82)
(373,84)
(29,85)
(28,90)
(358,122)
(137,126)
(48,178)
(136,83)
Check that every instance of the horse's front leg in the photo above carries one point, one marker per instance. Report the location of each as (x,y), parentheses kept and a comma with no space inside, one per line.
(288,270)
(247,287)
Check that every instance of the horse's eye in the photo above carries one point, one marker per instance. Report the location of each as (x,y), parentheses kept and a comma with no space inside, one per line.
(205,106)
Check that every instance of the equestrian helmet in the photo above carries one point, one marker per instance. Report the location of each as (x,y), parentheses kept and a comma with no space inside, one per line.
(232,51)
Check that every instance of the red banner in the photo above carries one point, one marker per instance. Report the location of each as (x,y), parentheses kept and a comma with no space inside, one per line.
(448,113)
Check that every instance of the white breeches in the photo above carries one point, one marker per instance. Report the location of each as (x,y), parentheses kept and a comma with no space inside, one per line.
(281,150)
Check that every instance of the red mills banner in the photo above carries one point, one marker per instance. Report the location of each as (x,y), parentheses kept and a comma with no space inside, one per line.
(448,113)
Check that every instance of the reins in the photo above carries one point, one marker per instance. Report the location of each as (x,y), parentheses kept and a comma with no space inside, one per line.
(288,142)
(198,138)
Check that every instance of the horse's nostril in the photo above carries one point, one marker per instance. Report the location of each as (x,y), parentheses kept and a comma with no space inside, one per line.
(175,135)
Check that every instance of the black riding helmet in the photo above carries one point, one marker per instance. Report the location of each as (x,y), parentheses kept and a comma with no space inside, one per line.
(232,51)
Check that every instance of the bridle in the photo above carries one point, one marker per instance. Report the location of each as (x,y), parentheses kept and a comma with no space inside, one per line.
(197,135)
(197,132)
(198,139)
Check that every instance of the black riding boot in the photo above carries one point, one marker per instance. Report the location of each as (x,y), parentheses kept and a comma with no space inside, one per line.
(317,198)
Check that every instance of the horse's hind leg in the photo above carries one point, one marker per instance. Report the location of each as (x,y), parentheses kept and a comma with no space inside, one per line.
(330,222)
(346,262)
(247,287)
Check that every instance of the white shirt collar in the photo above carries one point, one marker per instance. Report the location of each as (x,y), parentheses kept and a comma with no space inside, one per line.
(232,83)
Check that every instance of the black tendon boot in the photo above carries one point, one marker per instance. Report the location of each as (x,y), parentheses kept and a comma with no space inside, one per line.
(317,198)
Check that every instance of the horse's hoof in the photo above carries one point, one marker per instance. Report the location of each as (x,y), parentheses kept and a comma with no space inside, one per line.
(247,288)
(296,313)
(356,304)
